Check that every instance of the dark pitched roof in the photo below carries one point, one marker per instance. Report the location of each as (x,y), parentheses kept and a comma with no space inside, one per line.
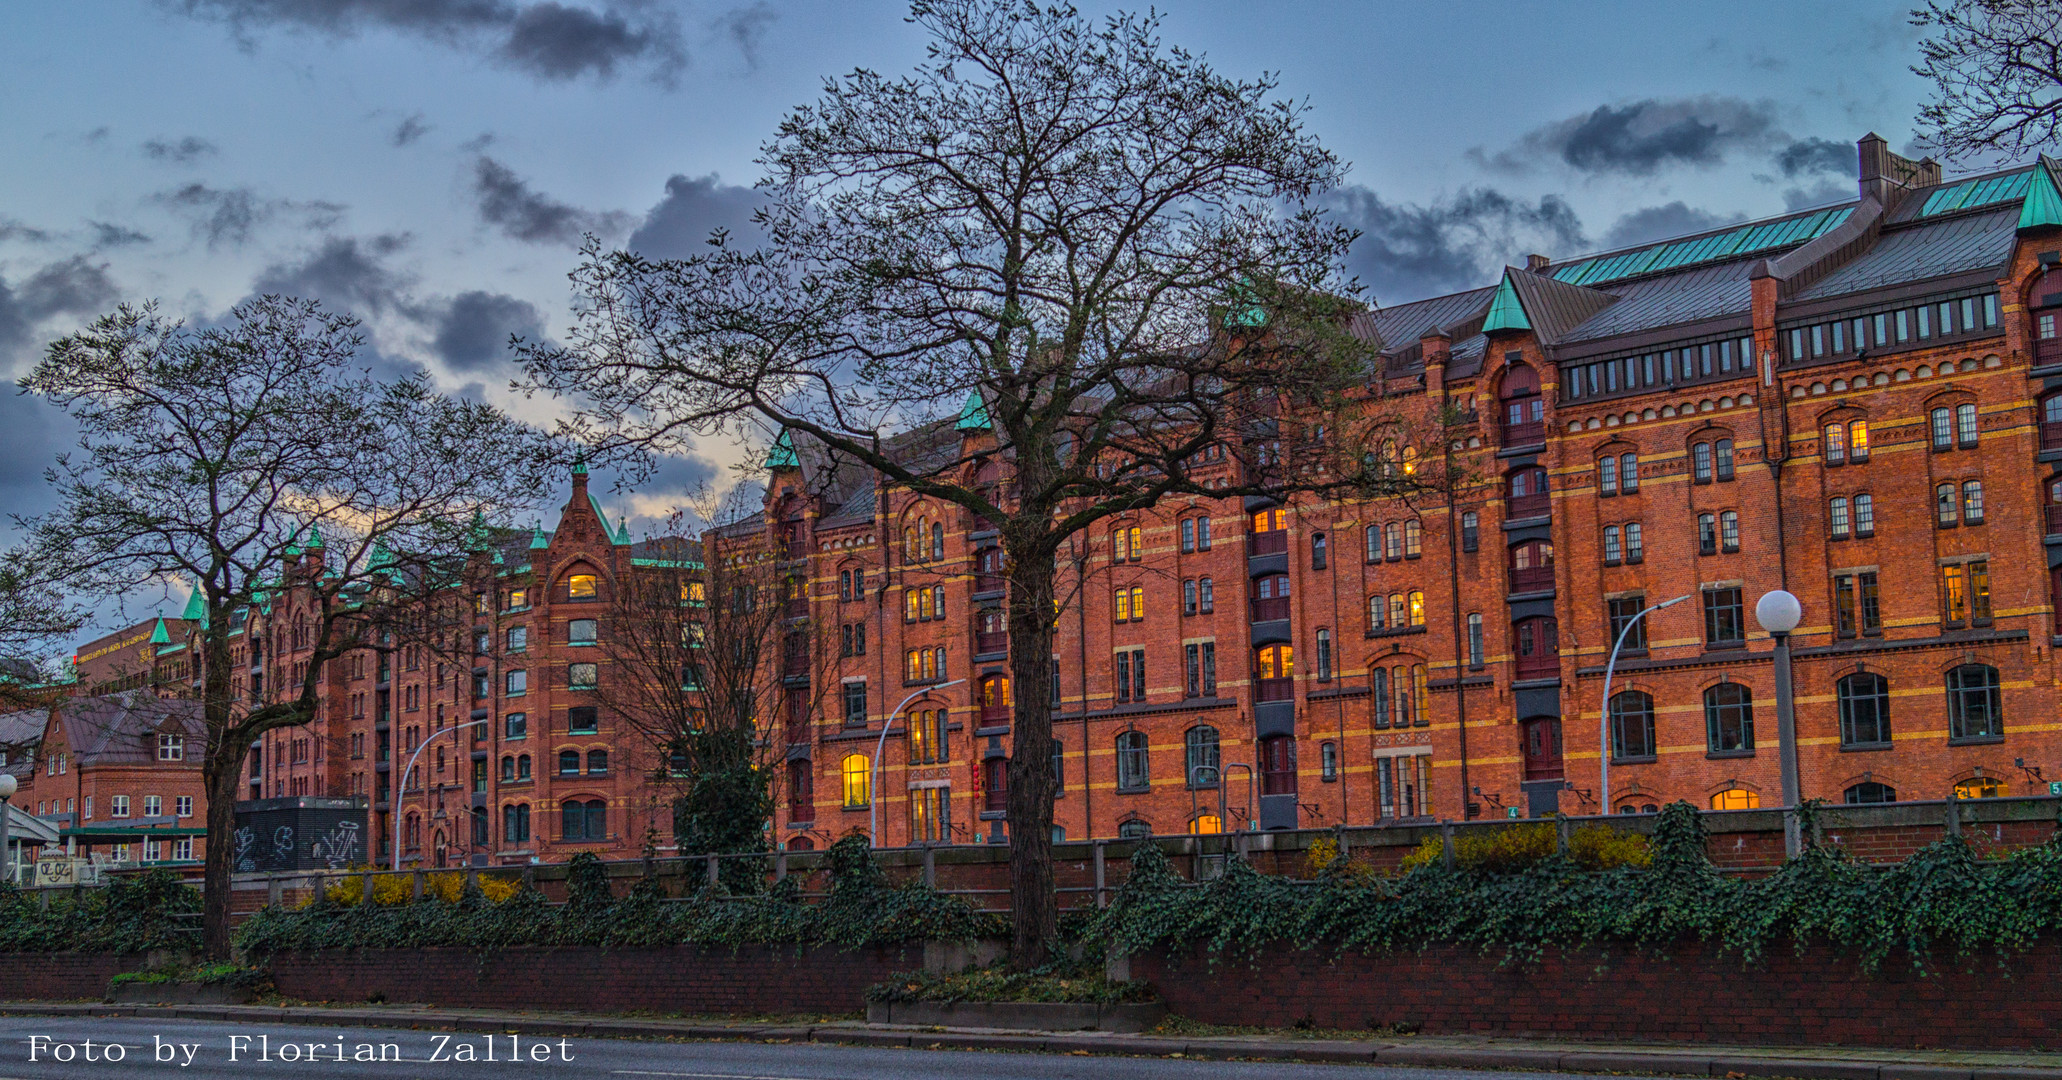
(1401,327)
(1923,251)
(1650,303)
(122,729)
(1555,307)
(1964,193)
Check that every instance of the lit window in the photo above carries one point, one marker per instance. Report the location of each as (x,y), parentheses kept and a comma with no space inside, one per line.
(1735,799)
(858,776)
(580,587)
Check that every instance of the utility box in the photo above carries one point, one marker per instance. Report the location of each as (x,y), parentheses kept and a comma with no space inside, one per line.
(302,833)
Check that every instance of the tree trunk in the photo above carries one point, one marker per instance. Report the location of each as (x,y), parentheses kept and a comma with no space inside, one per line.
(220,777)
(1034,907)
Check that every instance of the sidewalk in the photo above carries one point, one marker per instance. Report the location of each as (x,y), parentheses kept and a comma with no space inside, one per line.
(1441,1051)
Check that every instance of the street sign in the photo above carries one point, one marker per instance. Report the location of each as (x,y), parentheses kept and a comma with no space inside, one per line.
(1510,811)
(2055,787)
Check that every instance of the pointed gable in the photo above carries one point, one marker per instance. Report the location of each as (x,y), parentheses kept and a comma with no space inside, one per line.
(2043,204)
(1505,311)
(1552,308)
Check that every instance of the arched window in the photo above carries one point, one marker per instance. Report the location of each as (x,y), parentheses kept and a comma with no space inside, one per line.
(1972,502)
(1735,799)
(1729,530)
(1532,566)
(1413,539)
(1965,425)
(569,763)
(1864,515)
(508,768)
(1835,449)
(1378,695)
(857,771)
(1277,765)
(1133,771)
(1632,726)
(1525,493)
(1836,518)
(1974,709)
(1471,530)
(1864,699)
(1524,411)
(1729,720)
(1607,475)
(2051,408)
(1274,662)
(1188,597)
(1628,473)
(1417,608)
(1869,791)
(909,543)
(515,823)
(1857,441)
(1723,450)
(1202,760)
(1392,540)
(1324,654)
(1981,787)
(597,762)
(995,698)
(1206,824)
(937,540)
(1945,511)
(1318,551)
(1374,543)
(1378,613)
(1941,424)
(1134,829)
(522,767)
(581,587)
(1700,463)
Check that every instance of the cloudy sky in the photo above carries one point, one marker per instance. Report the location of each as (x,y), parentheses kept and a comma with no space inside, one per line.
(432,164)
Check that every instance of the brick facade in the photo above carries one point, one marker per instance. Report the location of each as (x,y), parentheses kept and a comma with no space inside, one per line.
(1928,626)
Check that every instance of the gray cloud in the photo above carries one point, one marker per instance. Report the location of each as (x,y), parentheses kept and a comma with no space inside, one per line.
(182,152)
(1660,222)
(347,274)
(472,332)
(745,28)
(1807,156)
(11,229)
(74,286)
(507,202)
(1642,137)
(107,234)
(1407,252)
(1819,194)
(545,40)
(229,216)
(680,224)
(410,129)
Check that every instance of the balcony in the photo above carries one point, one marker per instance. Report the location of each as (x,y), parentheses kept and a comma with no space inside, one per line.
(1268,609)
(797,608)
(1525,433)
(987,583)
(1536,504)
(1267,543)
(1532,579)
(995,715)
(987,642)
(795,663)
(2051,435)
(1544,666)
(1274,690)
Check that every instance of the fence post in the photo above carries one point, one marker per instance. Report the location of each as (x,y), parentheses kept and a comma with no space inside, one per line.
(416,877)
(365,897)
(1344,850)
(780,864)
(529,876)
(1562,827)
(472,877)
(272,890)
(930,867)
(1100,901)
(712,869)
(1954,817)
(1446,843)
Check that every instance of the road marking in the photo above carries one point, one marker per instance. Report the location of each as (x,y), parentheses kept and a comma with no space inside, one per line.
(702,1075)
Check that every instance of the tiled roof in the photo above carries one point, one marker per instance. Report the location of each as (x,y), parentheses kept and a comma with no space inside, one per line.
(1554,307)
(1651,303)
(1924,251)
(122,729)
(1402,326)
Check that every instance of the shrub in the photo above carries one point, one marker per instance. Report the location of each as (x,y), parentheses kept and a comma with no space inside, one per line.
(389,889)
(1067,983)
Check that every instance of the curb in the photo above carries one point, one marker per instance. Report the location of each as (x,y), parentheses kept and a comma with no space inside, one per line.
(1543,1059)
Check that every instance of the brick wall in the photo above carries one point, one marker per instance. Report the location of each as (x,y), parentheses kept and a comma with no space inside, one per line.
(749,980)
(1694,995)
(63,976)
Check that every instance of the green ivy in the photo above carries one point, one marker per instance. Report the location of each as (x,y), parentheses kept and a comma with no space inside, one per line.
(1072,983)
(131,915)
(860,909)
(1942,900)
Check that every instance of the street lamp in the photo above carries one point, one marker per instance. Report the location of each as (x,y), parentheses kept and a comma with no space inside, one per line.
(1604,715)
(873,787)
(1778,612)
(8,786)
(402,791)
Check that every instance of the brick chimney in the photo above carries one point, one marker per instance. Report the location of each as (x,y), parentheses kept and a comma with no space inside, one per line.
(1537,263)
(1889,176)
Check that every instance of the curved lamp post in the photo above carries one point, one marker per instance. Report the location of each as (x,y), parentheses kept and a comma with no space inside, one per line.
(1604,717)
(8,786)
(1778,612)
(401,791)
(873,806)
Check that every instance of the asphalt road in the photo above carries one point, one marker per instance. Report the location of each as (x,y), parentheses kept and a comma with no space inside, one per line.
(34,1048)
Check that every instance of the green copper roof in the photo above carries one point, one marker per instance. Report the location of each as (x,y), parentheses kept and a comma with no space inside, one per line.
(782,456)
(1697,249)
(1505,312)
(622,528)
(538,541)
(196,607)
(2043,205)
(1980,192)
(601,515)
(159,635)
(580,463)
(973,416)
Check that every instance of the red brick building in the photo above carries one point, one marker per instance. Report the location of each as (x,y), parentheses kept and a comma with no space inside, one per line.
(1860,403)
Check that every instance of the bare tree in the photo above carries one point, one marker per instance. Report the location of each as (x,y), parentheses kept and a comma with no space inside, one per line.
(691,633)
(215,455)
(1996,69)
(1064,232)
